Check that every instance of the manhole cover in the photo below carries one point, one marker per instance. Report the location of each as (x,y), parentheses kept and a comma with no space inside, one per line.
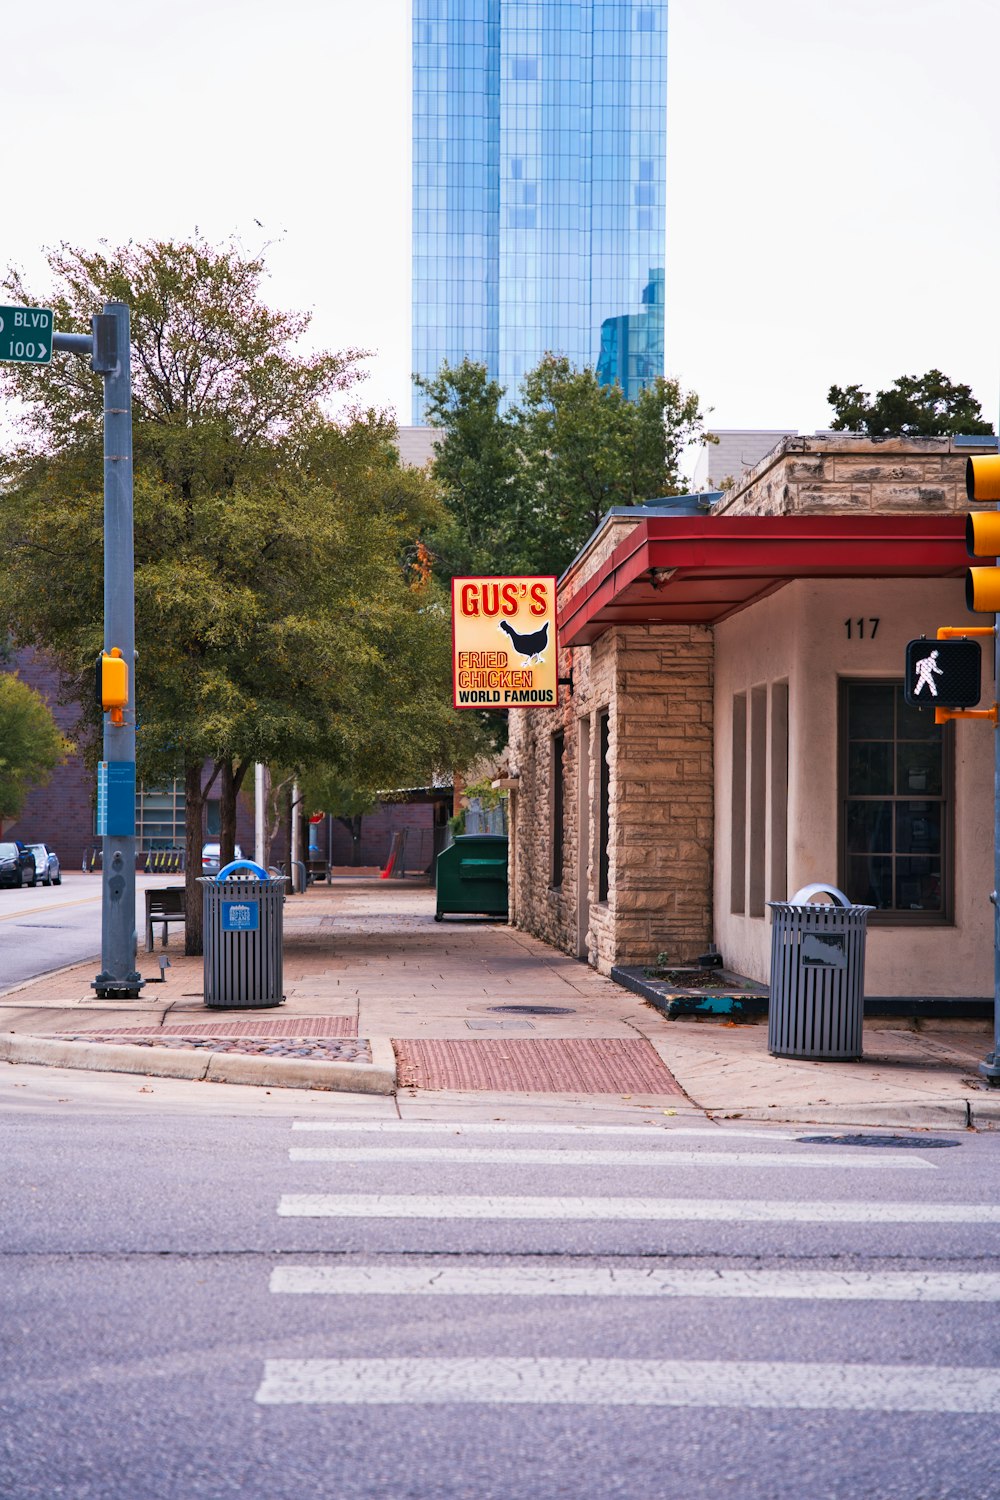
(928,1143)
(533,1010)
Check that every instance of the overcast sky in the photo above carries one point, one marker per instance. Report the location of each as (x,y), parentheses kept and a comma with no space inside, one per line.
(833,202)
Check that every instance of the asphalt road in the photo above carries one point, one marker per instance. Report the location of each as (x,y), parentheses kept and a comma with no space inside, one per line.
(204,1298)
(47,927)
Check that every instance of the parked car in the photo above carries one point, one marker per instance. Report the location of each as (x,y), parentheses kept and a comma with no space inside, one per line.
(210,857)
(46,864)
(17,864)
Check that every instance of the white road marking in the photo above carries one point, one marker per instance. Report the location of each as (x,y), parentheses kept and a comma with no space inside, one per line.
(630,1382)
(608,1281)
(533,1127)
(530,1157)
(443,1206)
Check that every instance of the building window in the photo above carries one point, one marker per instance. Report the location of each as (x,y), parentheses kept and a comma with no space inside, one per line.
(558,808)
(897,800)
(159,816)
(604,811)
(738,808)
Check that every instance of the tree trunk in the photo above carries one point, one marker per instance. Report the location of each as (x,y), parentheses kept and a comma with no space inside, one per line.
(194,801)
(227,815)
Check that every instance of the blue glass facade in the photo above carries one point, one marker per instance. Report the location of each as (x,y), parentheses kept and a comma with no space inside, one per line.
(539,147)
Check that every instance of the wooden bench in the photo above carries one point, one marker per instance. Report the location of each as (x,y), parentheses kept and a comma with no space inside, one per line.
(163,904)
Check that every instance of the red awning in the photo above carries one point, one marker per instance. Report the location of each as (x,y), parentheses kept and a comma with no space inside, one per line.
(696,570)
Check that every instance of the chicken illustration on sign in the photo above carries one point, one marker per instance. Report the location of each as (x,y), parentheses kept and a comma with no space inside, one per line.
(504,642)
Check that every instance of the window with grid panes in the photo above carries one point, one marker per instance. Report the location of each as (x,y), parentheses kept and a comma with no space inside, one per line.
(896,797)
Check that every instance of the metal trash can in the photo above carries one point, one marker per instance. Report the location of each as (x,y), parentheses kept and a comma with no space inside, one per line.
(816,1008)
(243,936)
(472,876)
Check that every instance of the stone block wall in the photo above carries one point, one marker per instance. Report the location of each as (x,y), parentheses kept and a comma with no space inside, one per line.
(844,473)
(656,684)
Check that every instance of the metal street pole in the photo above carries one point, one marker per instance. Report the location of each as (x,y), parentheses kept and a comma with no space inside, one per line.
(108,346)
(119,977)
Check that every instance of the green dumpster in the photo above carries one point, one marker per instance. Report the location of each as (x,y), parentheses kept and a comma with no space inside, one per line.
(472,876)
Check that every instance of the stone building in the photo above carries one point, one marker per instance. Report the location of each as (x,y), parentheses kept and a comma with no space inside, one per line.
(732,724)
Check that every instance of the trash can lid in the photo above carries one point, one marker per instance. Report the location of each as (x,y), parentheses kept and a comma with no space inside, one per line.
(242,864)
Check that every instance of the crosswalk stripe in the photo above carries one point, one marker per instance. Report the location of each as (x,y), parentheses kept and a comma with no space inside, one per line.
(428,1206)
(611,1281)
(591,1157)
(533,1127)
(630,1382)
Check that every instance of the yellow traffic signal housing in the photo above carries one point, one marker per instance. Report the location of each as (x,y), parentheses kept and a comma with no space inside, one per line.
(982,477)
(112,683)
(982,534)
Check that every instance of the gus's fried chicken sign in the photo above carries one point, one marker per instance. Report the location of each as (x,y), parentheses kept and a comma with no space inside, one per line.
(504,647)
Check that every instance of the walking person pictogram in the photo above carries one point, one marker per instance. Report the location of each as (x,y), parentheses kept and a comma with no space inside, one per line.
(927,668)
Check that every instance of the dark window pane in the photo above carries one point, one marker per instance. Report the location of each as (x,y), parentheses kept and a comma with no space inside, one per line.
(918,768)
(918,884)
(869,715)
(869,769)
(869,881)
(869,827)
(915,723)
(918,828)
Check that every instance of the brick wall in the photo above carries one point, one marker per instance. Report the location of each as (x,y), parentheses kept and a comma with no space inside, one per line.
(61,813)
(377,830)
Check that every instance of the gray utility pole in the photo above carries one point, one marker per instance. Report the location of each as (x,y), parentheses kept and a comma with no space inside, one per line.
(110,353)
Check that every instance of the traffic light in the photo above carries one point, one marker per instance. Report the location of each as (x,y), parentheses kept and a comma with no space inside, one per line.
(112,683)
(982,534)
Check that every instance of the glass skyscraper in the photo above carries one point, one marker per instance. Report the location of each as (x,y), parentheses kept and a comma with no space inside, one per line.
(539,145)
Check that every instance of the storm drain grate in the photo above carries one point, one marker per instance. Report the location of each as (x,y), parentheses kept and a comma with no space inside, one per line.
(928,1143)
(279,1026)
(543,1065)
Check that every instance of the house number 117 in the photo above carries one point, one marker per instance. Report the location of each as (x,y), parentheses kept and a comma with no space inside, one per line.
(857,627)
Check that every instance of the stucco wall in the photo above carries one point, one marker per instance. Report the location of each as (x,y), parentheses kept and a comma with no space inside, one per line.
(798,635)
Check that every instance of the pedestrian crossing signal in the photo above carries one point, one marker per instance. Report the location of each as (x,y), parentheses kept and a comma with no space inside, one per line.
(112,684)
(943,674)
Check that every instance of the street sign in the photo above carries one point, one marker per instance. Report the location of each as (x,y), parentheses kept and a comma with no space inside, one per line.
(26,335)
(943,674)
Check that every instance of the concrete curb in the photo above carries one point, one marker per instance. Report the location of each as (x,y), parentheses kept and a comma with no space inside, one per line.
(376,1077)
(975,1112)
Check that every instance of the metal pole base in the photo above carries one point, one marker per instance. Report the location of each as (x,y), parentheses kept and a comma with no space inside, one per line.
(989,1068)
(110,988)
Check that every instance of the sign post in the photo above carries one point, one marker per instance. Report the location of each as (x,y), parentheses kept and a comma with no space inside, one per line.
(27,336)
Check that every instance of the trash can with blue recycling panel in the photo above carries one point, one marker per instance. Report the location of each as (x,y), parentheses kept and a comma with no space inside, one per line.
(243,922)
(816,1006)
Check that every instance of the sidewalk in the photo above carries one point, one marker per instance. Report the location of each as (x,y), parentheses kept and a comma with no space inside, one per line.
(380,998)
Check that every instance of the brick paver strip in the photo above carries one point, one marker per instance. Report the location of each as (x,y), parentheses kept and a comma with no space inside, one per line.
(542,1065)
(278,1026)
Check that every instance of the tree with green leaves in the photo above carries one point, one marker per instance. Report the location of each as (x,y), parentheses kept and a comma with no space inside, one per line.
(31,745)
(526,485)
(928,405)
(278,617)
